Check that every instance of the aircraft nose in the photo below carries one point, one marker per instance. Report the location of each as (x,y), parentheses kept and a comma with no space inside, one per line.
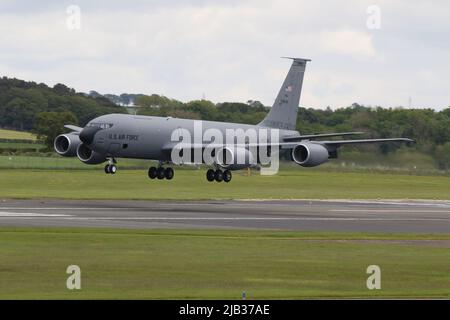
(87,134)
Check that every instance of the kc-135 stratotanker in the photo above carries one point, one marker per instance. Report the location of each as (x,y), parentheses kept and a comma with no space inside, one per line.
(114,136)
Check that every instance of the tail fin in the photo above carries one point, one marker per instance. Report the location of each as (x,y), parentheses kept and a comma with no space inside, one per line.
(283,114)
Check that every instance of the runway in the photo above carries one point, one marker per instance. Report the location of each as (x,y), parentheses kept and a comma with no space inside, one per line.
(301,215)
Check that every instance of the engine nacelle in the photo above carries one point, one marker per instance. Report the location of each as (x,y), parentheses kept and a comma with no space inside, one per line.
(66,144)
(234,158)
(88,156)
(309,154)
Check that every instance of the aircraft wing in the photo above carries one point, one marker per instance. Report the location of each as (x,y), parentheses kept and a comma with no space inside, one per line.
(322,135)
(338,143)
(72,127)
(284,145)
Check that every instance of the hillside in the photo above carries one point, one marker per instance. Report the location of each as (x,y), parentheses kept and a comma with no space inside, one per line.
(16,135)
(22,101)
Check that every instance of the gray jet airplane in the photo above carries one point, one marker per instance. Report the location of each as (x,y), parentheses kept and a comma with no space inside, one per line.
(114,136)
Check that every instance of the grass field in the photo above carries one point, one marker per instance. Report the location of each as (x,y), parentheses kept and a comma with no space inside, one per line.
(21,145)
(16,135)
(348,163)
(57,162)
(219,264)
(191,184)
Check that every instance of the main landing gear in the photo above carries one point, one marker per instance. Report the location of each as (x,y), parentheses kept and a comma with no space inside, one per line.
(160,173)
(218,175)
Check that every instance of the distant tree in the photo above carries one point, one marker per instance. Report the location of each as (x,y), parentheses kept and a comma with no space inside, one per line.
(48,125)
(442,156)
(184,114)
(206,109)
(446,112)
(62,89)
(17,114)
(156,101)
(255,104)
(94,94)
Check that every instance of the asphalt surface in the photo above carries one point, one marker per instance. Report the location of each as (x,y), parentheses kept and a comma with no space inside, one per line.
(329,216)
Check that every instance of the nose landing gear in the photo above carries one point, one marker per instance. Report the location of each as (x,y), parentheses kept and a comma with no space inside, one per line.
(110,169)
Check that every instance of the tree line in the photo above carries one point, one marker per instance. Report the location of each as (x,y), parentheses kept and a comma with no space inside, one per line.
(21,103)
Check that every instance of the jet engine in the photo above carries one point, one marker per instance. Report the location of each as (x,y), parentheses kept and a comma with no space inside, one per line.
(309,154)
(88,156)
(66,144)
(234,158)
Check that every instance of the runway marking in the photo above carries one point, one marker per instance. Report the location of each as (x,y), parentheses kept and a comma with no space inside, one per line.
(255,219)
(157,205)
(28,216)
(362,210)
(431,203)
(64,208)
(390,210)
(4,214)
(101,209)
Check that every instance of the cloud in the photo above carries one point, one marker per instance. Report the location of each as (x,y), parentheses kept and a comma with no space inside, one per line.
(347,42)
(230,51)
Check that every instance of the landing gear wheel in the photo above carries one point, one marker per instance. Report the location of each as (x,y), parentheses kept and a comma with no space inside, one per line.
(227,176)
(210,175)
(218,175)
(152,172)
(168,173)
(112,169)
(160,173)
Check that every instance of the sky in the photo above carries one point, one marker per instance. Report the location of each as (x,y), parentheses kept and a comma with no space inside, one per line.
(387,53)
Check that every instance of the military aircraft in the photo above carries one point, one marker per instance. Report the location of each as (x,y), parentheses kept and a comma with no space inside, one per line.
(114,136)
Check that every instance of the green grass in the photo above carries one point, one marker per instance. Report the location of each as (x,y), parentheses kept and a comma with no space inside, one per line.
(16,135)
(162,264)
(403,159)
(21,145)
(401,162)
(191,184)
(58,163)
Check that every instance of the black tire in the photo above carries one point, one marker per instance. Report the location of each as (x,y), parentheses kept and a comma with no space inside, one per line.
(160,173)
(210,175)
(218,175)
(107,169)
(112,169)
(227,176)
(169,173)
(152,173)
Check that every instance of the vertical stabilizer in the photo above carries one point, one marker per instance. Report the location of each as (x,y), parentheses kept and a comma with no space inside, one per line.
(283,114)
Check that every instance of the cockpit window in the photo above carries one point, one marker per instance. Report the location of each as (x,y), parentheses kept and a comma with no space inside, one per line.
(101,125)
